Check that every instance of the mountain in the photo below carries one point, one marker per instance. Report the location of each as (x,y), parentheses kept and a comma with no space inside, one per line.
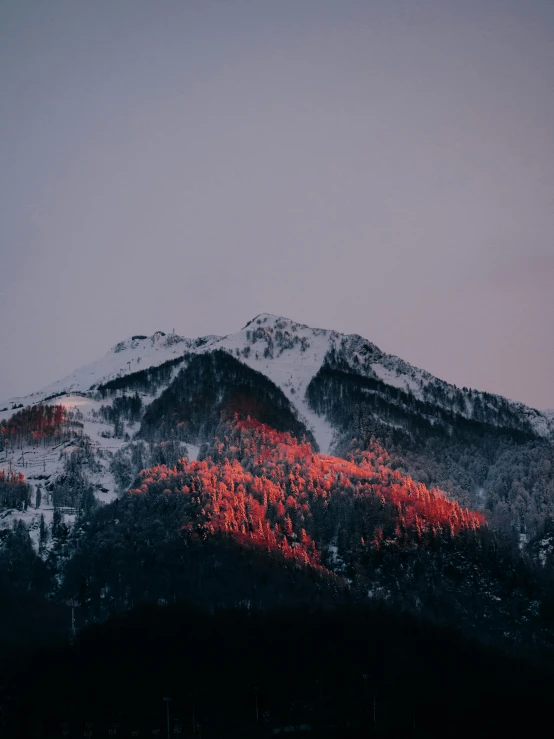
(486,451)
(279,467)
(153,401)
(290,354)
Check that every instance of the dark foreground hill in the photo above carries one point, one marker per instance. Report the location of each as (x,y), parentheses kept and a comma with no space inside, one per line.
(344,672)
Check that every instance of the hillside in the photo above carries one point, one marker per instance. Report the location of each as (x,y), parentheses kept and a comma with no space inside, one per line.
(281,467)
(389,484)
(486,451)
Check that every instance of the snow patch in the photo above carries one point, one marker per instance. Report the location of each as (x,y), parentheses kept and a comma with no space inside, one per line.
(392,377)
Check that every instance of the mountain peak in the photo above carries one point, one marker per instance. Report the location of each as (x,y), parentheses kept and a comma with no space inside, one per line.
(270,319)
(291,354)
(157,339)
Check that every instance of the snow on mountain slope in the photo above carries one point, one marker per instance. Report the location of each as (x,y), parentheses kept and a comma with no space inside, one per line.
(43,464)
(126,357)
(289,354)
(297,355)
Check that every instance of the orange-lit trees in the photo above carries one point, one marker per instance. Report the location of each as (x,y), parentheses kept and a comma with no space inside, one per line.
(36,424)
(262,487)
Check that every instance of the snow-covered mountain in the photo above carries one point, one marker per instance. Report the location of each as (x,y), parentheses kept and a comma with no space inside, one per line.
(413,481)
(337,386)
(289,354)
(132,355)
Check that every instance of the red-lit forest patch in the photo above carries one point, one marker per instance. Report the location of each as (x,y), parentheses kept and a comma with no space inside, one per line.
(35,424)
(265,488)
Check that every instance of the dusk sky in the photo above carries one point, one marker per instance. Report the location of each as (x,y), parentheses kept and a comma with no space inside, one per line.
(382,167)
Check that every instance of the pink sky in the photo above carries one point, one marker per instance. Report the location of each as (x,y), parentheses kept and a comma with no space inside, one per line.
(381,168)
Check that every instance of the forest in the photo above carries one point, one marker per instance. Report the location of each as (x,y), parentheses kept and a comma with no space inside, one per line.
(492,460)
(34,425)
(260,508)
(14,491)
(212,385)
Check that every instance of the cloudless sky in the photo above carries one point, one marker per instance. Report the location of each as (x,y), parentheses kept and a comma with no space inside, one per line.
(381,167)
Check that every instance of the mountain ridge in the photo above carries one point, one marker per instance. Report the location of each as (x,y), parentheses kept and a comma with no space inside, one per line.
(487,452)
(301,351)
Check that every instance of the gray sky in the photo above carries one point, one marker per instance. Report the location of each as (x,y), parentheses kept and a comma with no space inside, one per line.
(377,167)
